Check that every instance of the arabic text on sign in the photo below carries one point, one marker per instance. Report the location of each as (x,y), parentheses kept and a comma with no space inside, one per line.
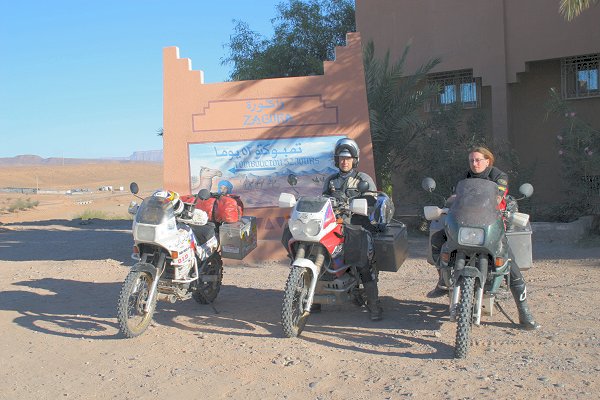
(267,104)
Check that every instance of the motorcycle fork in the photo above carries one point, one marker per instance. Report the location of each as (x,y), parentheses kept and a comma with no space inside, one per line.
(319,259)
(160,267)
(483,267)
(459,263)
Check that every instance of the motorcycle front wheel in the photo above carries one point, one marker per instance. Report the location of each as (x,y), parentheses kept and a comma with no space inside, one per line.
(464,317)
(295,298)
(206,292)
(133,320)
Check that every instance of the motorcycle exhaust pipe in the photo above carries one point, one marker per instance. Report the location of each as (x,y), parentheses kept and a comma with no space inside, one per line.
(166,297)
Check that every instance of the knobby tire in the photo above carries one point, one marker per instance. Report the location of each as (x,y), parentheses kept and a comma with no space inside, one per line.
(295,298)
(207,292)
(464,317)
(133,321)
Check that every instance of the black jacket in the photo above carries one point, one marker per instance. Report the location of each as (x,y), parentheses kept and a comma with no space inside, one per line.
(492,174)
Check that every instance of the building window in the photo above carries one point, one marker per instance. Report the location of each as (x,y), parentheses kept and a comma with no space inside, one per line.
(455,87)
(579,76)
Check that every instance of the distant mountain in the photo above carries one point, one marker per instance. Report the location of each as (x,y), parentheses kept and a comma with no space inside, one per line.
(148,156)
(29,159)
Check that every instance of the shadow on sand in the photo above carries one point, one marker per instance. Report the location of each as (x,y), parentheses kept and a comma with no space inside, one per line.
(87,310)
(63,240)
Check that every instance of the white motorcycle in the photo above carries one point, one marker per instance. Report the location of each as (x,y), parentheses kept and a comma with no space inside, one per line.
(322,269)
(177,254)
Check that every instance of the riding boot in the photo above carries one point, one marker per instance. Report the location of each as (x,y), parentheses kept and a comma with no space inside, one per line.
(526,320)
(440,288)
(373,300)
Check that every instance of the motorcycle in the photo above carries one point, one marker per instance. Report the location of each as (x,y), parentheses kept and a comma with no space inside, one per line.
(320,272)
(178,257)
(476,254)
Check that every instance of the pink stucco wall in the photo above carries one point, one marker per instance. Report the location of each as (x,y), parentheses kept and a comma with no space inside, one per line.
(326,105)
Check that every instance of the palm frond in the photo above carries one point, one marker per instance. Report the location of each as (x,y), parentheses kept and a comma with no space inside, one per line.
(573,8)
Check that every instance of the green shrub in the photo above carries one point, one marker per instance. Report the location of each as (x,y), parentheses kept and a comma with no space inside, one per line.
(22,204)
(93,214)
(578,146)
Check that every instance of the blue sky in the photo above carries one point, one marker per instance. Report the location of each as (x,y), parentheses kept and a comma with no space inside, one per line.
(84,78)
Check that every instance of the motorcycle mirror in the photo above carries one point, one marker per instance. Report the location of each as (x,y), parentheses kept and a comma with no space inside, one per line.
(428,184)
(292,180)
(203,194)
(287,200)
(363,186)
(133,187)
(526,189)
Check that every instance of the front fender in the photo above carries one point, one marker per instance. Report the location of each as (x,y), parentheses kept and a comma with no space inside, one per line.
(306,263)
(469,271)
(145,267)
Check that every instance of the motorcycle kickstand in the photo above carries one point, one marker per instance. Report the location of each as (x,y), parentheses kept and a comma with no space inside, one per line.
(499,307)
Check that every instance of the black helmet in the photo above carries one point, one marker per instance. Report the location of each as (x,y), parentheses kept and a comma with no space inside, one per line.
(346,148)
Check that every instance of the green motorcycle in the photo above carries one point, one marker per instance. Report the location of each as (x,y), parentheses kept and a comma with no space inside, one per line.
(476,255)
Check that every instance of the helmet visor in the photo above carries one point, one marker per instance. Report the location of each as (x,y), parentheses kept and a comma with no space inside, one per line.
(344,153)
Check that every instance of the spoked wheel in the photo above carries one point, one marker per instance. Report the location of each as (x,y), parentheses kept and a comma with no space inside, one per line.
(464,317)
(293,317)
(133,320)
(206,292)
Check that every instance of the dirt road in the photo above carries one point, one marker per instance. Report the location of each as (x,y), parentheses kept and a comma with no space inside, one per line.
(59,283)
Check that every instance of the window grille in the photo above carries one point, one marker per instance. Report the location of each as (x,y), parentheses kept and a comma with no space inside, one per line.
(455,87)
(579,76)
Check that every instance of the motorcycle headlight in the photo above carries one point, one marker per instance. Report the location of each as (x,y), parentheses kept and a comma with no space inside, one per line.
(471,236)
(312,228)
(296,227)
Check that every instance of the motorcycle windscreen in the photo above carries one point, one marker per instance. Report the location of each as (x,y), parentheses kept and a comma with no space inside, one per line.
(311,204)
(154,210)
(476,203)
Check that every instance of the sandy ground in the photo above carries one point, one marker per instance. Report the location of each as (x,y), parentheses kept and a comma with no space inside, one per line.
(59,282)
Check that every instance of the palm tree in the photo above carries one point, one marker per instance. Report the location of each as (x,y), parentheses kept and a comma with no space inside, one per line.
(395,103)
(572,8)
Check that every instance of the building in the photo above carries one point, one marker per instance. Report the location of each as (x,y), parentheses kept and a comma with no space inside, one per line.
(502,56)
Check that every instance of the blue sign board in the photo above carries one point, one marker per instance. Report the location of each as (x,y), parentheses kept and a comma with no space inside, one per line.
(258,170)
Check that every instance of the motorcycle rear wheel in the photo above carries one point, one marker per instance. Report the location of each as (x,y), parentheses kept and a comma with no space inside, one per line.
(133,320)
(464,317)
(206,292)
(293,317)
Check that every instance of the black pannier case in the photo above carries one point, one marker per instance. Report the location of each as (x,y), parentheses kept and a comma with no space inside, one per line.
(391,247)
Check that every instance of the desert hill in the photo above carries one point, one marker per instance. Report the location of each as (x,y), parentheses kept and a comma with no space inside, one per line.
(30,159)
(90,176)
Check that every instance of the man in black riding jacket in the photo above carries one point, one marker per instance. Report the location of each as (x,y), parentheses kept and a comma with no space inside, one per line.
(343,185)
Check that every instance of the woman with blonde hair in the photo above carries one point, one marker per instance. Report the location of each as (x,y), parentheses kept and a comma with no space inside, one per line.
(481,165)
